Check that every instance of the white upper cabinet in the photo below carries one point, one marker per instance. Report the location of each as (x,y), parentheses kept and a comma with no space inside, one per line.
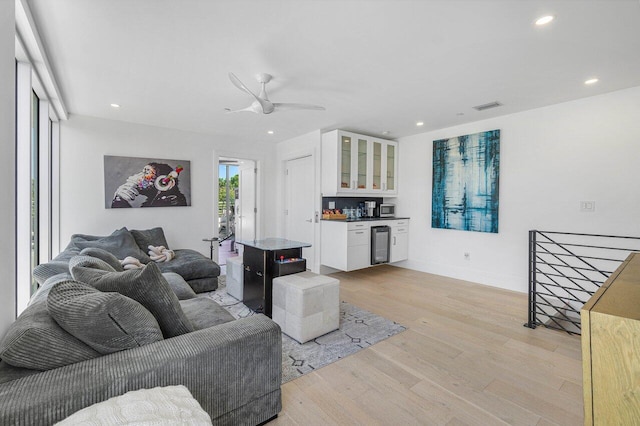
(355,165)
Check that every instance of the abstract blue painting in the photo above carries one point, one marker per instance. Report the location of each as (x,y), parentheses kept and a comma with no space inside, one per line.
(466,178)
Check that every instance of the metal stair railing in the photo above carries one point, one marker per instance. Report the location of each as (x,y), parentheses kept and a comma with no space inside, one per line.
(565,270)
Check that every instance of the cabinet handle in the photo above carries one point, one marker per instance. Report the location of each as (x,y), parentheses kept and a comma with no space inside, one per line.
(259,273)
(394,240)
(359,232)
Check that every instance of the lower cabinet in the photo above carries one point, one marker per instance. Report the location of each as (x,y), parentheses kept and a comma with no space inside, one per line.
(399,240)
(347,245)
(358,248)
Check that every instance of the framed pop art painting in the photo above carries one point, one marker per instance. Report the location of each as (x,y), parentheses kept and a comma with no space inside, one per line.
(146,182)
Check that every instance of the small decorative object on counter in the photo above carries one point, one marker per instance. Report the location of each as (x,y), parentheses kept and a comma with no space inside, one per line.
(333,214)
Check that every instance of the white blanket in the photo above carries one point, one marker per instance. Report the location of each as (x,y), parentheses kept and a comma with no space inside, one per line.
(170,405)
(160,254)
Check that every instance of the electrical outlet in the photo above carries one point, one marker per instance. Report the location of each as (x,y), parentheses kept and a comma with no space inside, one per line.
(467,256)
(587,206)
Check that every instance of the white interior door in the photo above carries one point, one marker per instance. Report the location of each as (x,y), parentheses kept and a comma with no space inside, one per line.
(299,182)
(246,203)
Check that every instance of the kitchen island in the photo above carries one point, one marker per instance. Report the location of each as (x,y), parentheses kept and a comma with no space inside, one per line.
(265,260)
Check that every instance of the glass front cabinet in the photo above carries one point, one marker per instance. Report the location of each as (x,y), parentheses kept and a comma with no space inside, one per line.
(356,165)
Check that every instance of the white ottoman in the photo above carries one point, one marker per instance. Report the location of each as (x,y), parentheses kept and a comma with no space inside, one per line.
(306,305)
(235,277)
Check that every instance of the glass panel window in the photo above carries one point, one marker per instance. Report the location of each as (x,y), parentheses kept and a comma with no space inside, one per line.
(345,162)
(377,165)
(35,189)
(362,163)
(391,171)
(228,179)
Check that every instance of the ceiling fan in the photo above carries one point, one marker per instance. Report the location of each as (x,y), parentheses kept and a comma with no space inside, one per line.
(262,104)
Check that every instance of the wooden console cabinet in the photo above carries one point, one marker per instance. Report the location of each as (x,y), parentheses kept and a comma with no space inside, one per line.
(611,349)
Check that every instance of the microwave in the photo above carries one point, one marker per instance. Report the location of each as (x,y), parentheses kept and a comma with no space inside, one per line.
(387,210)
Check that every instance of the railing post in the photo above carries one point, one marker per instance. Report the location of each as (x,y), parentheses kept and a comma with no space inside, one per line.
(532,280)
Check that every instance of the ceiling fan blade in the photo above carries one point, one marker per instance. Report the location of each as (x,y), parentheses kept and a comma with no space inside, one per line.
(250,108)
(240,85)
(267,106)
(293,106)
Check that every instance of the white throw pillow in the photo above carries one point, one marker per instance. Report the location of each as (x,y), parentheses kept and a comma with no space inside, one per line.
(169,405)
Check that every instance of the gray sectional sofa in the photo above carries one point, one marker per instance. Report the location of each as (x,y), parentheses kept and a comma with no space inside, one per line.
(97,331)
(200,272)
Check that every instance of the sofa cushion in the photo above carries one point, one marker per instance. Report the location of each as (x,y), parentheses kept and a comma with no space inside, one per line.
(108,322)
(120,243)
(179,286)
(44,271)
(148,287)
(103,255)
(204,312)
(149,237)
(43,291)
(87,268)
(190,264)
(36,341)
(201,285)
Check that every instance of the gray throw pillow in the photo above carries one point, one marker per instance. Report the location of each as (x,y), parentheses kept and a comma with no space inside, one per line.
(149,237)
(87,268)
(36,341)
(108,322)
(43,290)
(120,243)
(44,271)
(104,256)
(148,287)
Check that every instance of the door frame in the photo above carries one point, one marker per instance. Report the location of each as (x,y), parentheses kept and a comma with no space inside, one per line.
(288,202)
(314,152)
(258,193)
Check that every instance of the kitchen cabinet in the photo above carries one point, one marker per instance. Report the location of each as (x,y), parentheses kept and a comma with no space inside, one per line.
(346,246)
(358,165)
(399,241)
(358,248)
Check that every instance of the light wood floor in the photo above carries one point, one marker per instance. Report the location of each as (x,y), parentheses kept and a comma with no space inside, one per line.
(466,359)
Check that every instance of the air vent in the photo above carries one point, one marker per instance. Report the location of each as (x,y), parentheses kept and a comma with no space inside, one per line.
(487,106)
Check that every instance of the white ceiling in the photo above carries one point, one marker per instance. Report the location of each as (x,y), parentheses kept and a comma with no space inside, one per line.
(376,65)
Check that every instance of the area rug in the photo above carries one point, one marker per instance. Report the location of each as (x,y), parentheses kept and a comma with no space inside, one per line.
(359,329)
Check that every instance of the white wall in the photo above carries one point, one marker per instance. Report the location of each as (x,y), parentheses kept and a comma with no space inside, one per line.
(551,159)
(298,147)
(84,143)
(7,171)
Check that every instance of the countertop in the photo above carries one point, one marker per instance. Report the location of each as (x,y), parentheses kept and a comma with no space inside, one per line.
(366,219)
(273,244)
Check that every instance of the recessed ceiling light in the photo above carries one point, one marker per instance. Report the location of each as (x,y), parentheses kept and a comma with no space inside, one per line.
(460,114)
(544,20)
(591,81)
(420,123)
(115,105)
(270,132)
(386,132)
